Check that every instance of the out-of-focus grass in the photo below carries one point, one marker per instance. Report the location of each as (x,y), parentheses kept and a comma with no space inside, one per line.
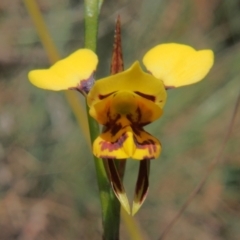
(47,182)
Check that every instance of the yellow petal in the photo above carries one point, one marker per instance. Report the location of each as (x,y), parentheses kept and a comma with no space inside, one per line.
(122,143)
(134,80)
(112,145)
(147,146)
(128,105)
(66,73)
(177,64)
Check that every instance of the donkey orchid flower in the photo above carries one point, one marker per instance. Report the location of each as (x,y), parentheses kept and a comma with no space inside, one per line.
(126,102)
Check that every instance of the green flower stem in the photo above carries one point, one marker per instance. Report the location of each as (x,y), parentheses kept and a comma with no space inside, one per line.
(91,12)
(109,203)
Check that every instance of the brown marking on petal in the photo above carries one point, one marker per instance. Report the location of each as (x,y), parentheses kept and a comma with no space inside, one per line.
(117,186)
(147,144)
(142,181)
(101,97)
(137,130)
(149,97)
(137,113)
(136,123)
(111,124)
(117,58)
(115,128)
(112,146)
(141,188)
(117,183)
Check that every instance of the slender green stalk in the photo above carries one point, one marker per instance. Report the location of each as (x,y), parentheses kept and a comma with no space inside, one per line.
(110,204)
(91,13)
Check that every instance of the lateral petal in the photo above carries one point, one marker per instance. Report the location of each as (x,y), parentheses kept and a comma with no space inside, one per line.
(177,64)
(66,73)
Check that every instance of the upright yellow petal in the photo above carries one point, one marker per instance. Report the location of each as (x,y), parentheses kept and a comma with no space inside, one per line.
(66,73)
(177,64)
(134,80)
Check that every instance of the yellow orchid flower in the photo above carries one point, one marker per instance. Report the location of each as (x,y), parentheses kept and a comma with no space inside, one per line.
(125,102)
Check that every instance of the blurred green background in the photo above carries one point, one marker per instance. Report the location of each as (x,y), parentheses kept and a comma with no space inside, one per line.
(48,188)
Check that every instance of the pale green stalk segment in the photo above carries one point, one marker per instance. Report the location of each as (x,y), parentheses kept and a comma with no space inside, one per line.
(91,12)
(110,204)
